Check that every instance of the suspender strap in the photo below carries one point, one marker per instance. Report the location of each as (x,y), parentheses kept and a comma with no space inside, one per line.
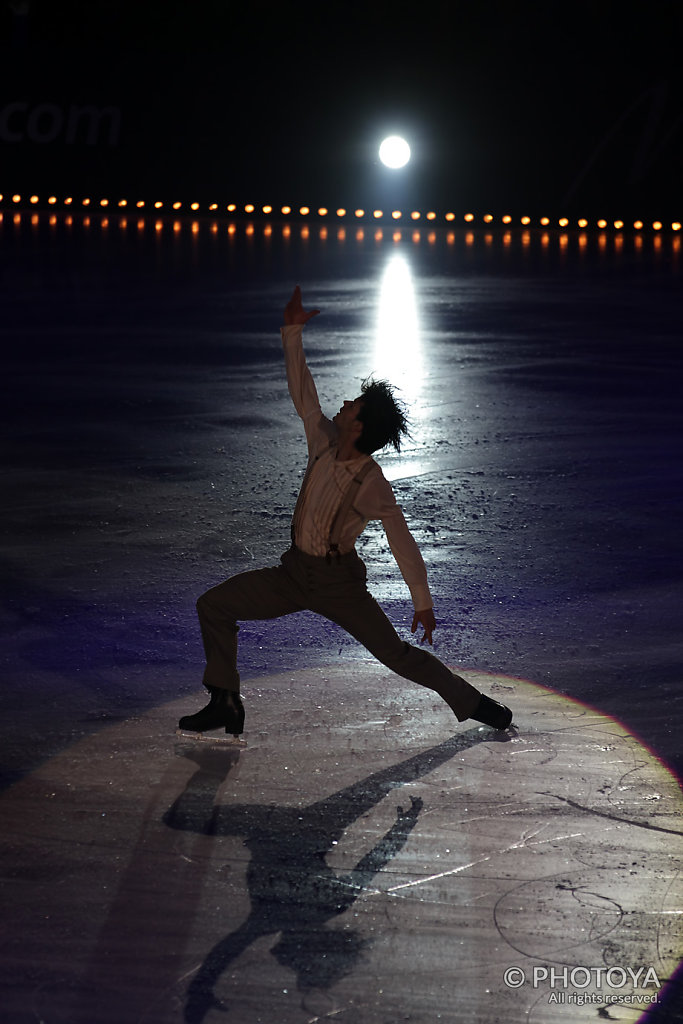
(343,510)
(301,500)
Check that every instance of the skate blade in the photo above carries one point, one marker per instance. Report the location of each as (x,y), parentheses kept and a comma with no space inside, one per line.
(225,739)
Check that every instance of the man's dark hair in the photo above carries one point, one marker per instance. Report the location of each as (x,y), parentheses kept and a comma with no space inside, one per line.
(383,417)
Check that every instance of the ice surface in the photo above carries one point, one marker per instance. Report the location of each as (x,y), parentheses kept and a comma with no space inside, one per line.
(150,450)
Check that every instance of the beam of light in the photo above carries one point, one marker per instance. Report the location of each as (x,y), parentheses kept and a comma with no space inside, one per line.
(394,152)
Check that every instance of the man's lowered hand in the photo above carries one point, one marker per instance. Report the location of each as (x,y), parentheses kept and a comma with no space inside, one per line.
(427,621)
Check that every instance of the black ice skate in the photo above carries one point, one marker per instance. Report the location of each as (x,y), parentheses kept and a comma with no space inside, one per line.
(224,711)
(490,712)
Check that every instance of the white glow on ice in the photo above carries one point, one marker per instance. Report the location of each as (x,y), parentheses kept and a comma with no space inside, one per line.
(394,152)
(398,348)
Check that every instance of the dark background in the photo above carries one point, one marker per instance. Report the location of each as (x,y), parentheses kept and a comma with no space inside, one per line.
(532,108)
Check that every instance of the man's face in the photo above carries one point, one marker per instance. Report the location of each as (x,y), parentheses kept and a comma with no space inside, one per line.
(347,417)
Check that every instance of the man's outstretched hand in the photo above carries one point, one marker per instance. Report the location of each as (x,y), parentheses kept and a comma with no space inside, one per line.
(295,312)
(427,621)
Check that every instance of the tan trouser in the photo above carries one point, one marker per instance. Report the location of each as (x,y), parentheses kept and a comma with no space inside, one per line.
(335,589)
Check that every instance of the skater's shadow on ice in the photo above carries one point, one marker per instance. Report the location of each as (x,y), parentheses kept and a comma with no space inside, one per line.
(293,891)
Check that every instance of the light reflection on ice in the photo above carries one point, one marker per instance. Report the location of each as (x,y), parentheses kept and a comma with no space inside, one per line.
(402,469)
(398,353)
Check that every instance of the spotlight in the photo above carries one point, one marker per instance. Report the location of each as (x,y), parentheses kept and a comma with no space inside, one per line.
(394,152)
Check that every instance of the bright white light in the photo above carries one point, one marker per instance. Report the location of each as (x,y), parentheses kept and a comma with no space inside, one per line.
(394,152)
(398,351)
(398,355)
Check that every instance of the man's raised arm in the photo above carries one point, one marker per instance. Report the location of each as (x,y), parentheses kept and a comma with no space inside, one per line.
(301,385)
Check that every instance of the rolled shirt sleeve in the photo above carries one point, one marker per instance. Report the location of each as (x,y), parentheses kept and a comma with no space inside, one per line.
(379,502)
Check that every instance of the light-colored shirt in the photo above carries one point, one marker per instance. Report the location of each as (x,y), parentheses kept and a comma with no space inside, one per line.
(328,479)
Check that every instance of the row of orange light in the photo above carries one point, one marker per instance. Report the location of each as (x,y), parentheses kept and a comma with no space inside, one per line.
(397,234)
(323,211)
